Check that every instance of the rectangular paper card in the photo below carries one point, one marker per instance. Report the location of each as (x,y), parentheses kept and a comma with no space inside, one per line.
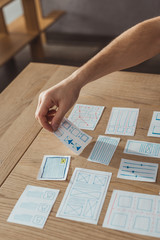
(54,168)
(136,170)
(134,213)
(33,207)
(84,197)
(122,121)
(72,136)
(154,129)
(86,116)
(104,149)
(142,148)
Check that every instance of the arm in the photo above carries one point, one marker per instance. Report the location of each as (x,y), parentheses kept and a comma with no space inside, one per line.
(132,47)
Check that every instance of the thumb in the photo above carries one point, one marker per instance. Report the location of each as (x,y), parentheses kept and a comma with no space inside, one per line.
(58,118)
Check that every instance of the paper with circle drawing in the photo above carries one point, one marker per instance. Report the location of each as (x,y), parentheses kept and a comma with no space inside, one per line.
(122,121)
(134,213)
(136,170)
(33,207)
(154,129)
(54,168)
(72,137)
(84,197)
(86,116)
(141,148)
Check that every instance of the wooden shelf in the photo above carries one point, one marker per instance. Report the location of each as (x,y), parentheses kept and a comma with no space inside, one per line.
(51,18)
(18,35)
(19,25)
(3,3)
(11,44)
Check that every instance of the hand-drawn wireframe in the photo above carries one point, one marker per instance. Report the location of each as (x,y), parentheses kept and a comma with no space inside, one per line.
(33,207)
(154,129)
(54,168)
(134,213)
(122,121)
(84,196)
(104,149)
(142,148)
(72,137)
(86,116)
(136,170)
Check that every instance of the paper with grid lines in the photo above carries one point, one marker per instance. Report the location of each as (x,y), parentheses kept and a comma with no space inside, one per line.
(122,121)
(104,149)
(86,116)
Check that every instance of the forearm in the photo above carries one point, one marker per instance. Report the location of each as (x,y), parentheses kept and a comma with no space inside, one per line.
(132,47)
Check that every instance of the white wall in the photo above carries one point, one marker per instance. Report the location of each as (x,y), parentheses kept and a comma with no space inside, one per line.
(13,11)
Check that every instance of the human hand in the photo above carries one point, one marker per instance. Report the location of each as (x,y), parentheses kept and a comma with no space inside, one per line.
(55,102)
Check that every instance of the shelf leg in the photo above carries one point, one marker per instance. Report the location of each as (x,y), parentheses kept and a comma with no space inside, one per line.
(3,26)
(32,23)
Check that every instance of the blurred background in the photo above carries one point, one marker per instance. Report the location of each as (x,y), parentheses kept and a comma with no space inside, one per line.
(83,30)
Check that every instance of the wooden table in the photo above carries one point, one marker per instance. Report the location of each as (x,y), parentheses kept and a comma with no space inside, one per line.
(23,144)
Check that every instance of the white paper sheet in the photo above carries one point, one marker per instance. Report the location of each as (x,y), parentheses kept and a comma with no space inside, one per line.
(122,121)
(142,148)
(134,213)
(136,170)
(72,137)
(33,207)
(86,116)
(84,197)
(54,168)
(104,149)
(154,129)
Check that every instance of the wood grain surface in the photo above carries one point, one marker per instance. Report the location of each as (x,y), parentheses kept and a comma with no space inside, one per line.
(120,89)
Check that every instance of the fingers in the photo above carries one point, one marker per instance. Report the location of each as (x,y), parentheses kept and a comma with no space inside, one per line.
(56,120)
(42,112)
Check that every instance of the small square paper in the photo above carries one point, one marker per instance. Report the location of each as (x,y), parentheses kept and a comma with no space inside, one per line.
(86,116)
(54,168)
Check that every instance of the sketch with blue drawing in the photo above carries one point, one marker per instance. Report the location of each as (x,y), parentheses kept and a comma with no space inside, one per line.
(54,168)
(33,207)
(104,149)
(136,170)
(84,196)
(142,148)
(154,129)
(72,137)
(122,121)
(134,213)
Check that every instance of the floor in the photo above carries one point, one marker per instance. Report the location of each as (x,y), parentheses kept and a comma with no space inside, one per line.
(68,51)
